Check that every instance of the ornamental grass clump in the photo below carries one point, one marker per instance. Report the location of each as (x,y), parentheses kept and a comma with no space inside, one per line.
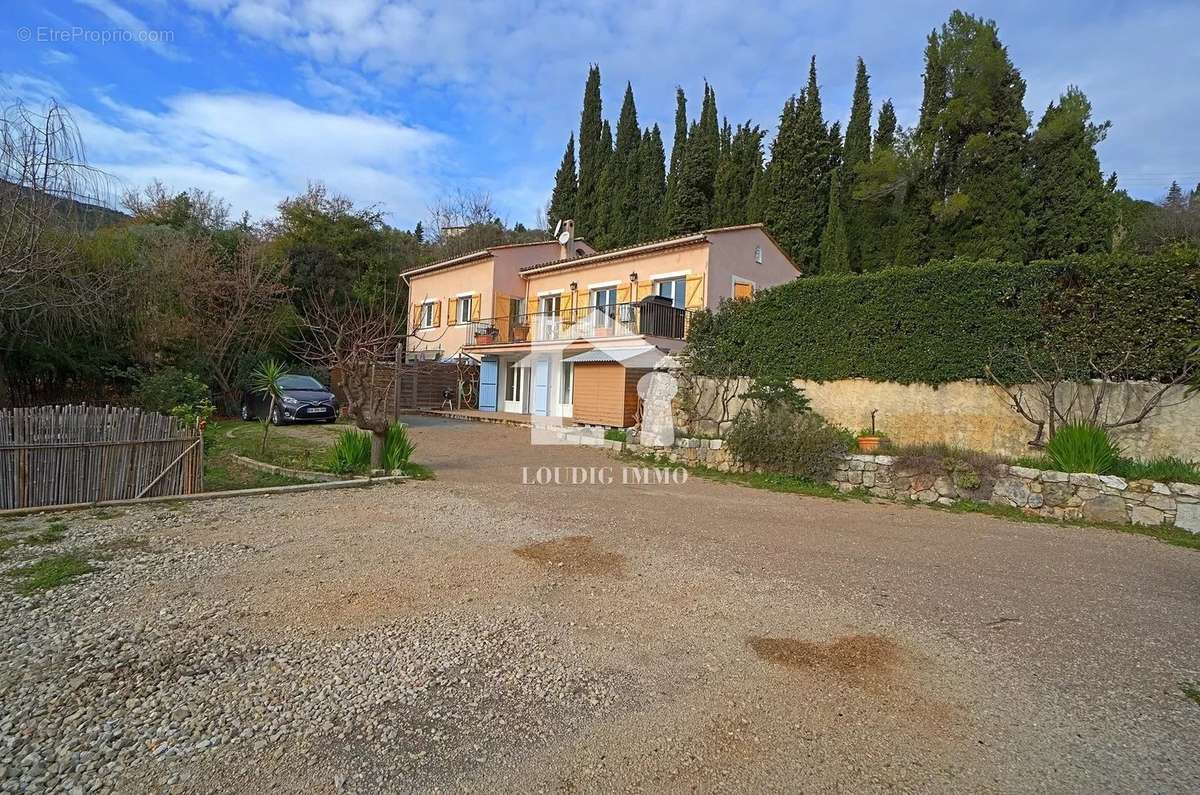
(1083,447)
(351,452)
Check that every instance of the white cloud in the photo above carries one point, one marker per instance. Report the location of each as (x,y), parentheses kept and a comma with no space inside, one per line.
(254,149)
(127,21)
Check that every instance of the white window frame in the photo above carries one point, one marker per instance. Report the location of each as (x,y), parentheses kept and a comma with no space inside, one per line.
(514,387)
(678,294)
(566,388)
(427,313)
(758,255)
(466,301)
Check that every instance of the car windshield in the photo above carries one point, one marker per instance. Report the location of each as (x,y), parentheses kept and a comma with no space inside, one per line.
(300,382)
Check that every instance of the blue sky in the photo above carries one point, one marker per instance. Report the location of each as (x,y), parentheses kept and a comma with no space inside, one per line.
(398,103)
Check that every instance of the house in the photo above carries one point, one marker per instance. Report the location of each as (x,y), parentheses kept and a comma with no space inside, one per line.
(573,330)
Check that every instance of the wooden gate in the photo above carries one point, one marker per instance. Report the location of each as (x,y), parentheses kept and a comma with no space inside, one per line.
(59,455)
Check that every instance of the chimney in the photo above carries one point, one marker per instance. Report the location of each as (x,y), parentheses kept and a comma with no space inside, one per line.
(566,240)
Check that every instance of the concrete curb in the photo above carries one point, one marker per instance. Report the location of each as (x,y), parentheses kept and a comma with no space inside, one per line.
(299,474)
(356,483)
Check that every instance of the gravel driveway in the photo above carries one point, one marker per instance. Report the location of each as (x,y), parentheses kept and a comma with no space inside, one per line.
(479,632)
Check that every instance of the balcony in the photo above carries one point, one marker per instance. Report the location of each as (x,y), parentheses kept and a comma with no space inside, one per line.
(651,318)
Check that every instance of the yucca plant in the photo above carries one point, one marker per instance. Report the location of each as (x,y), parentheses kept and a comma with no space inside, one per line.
(397,447)
(1083,447)
(351,452)
(266,380)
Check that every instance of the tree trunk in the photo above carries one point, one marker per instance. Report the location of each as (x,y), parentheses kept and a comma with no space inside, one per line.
(377,449)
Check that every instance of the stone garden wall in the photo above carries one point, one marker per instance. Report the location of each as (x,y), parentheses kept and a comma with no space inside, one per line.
(1057,495)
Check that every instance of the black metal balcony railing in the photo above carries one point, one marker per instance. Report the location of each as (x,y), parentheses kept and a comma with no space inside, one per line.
(654,319)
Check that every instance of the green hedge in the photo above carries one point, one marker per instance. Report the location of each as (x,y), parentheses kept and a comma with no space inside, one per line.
(948,321)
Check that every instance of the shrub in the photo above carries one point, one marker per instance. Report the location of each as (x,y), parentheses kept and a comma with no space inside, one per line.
(780,440)
(351,452)
(1166,470)
(1083,447)
(774,392)
(169,387)
(615,435)
(397,447)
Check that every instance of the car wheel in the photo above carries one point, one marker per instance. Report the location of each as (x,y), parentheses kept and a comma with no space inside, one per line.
(276,416)
(246,415)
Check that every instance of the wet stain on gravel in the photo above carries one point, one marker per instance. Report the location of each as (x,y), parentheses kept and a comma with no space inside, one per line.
(852,656)
(574,555)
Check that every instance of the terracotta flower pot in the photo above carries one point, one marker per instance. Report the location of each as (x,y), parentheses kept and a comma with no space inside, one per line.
(520,333)
(868,444)
(485,339)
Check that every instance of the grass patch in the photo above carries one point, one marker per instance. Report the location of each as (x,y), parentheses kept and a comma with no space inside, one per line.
(296,447)
(49,573)
(5,545)
(1192,691)
(417,471)
(1164,470)
(615,435)
(104,514)
(1170,535)
(53,532)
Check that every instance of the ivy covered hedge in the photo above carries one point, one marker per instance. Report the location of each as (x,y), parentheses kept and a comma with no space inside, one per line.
(1128,315)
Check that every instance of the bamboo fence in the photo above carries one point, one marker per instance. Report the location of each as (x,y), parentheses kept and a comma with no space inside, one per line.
(57,455)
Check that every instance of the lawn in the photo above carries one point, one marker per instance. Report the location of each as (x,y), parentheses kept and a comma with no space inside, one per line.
(305,447)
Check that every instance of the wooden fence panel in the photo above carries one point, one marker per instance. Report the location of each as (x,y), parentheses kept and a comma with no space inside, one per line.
(57,455)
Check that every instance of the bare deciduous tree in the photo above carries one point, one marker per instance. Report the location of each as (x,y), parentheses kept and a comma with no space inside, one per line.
(46,191)
(235,304)
(1053,397)
(356,342)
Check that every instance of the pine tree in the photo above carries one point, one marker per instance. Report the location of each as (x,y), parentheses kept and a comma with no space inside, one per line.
(802,157)
(419,233)
(652,187)
(1071,209)
(834,248)
(1174,199)
(694,189)
(592,156)
(968,190)
(562,200)
(885,128)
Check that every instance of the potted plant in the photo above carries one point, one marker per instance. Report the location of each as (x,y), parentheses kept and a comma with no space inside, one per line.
(520,332)
(869,438)
(486,335)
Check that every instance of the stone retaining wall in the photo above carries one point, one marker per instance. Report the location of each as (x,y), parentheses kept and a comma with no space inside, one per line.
(1056,495)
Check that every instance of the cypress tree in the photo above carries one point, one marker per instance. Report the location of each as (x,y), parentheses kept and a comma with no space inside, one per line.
(802,156)
(562,200)
(1071,208)
(741,162)
(678,149)
(694,190)
(760,192)
(856,152)
(885,128)
(591,156)
(858,130)
(834,248)
(620,224)
(652,186)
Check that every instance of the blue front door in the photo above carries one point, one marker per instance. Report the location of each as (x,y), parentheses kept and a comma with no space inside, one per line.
(541,388)
(489,376)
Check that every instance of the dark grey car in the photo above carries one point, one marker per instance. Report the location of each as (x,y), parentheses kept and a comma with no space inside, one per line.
(304,399)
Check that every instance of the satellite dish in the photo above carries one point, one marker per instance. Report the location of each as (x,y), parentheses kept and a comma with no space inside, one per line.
(558,227)
(564,238)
